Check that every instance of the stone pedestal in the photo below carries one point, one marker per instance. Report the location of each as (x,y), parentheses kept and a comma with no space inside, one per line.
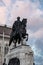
(24,53)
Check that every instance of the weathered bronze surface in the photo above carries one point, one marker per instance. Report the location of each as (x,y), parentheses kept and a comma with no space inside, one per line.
(18,31)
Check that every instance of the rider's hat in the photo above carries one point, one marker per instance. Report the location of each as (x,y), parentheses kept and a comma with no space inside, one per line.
(18,17)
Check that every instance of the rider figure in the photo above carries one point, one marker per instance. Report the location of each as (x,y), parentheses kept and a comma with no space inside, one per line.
(16,29)
(17,24)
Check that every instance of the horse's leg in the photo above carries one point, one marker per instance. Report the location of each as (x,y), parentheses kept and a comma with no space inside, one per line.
(15,44)
(10,41)
(11,38)
(27,37)
(14,41)
(19,41)
(21,38)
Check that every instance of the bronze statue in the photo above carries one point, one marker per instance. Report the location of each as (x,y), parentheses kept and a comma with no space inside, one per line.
(18,31)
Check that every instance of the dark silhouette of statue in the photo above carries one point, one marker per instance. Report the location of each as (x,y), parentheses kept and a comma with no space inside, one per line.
(23,27)
(18,31)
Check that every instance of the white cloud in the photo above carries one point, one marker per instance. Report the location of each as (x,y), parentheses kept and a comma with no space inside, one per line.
(20,8)
(37,35)
(2,15)
(37,52)
(7,2)
(26,9)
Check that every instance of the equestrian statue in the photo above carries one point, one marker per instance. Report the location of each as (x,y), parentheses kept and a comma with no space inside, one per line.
(18,32)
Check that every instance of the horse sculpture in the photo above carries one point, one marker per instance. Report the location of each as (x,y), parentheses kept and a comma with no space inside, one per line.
(19,32)
(23,27)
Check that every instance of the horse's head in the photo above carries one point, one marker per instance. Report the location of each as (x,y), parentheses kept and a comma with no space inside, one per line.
(24,21)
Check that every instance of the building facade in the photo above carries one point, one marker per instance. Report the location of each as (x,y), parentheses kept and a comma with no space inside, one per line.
(4,41)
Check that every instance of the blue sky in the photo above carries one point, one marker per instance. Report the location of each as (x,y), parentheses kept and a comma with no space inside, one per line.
(33,11)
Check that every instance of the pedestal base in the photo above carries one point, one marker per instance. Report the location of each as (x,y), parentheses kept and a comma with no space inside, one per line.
(23,53)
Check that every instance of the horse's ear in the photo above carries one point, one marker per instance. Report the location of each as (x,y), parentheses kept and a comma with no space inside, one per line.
(24,19)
